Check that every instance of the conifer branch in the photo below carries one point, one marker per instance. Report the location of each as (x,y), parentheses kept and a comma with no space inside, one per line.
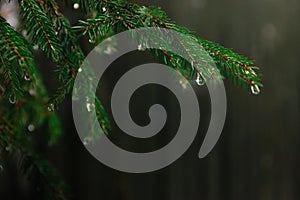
(9,79)
(16,59)
(18,73)
(34,168)
(70,61)
(48,28)
(40,29)
(231,65)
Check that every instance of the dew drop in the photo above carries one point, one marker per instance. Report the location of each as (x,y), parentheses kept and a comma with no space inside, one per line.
(141,48)
(210,71)
(27,77)
(31,127)
(109,50)
(24,32)
(200,80)
(8,148)
(75,96)
(86,141)
(183,84)
(91,41)
(12,99)
(79,69)
(90,107)
(35,47)
(51,107)
(255,89)
(75,6)
(31,92)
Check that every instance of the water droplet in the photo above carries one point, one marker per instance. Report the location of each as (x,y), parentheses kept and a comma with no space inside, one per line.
(75,96)
(12,99)
(51,107)
(183,83)
(86,141)
(91,41)
(31,92)
(75,6)
(79,69)
(24,33)
(31,127)
(141,48)
(90,107)
(35,47)
(26,77)
(255,89)
(109,50)
(210,71)
(103,9)
(8,148)
(200,80)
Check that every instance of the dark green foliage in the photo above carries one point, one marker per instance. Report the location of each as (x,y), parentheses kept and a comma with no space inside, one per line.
(40,29)
(120,15)
(25,104)
(16,60)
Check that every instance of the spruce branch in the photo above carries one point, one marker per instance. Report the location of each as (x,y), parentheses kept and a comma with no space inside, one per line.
(19,75)
(231,65)
(70,60)
(37,170)
(16,59)
(9,78)
(68,64)
(40,29)
(32,166)
(44,174)
(48,28)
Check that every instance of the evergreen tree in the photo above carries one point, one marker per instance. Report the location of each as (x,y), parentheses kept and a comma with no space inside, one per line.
(25,103)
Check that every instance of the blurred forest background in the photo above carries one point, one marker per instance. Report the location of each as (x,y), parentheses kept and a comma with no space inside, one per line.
(257,156)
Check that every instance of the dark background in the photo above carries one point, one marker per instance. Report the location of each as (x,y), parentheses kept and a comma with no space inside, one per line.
(257,156)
